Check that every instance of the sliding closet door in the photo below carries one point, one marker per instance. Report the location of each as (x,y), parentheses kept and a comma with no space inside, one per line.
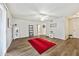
(31,31)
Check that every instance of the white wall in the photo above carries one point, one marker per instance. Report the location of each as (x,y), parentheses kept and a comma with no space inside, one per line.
(5,32)
(59,30)
(9,30)
(23,26)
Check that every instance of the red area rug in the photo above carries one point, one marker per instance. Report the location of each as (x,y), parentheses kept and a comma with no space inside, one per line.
(41,44)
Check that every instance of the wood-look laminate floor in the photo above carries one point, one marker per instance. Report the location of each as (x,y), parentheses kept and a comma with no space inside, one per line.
(21,47)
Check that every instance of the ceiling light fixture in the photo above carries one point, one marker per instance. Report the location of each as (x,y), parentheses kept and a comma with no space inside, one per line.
(44,18)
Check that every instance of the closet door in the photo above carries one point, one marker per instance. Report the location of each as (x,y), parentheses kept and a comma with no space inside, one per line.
(31,31)
(75,28)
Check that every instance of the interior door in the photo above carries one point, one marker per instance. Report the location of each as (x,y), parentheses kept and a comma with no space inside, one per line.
(0,32)
(3,29)
(75,28)
(31,31)
(38,30)
(44,29)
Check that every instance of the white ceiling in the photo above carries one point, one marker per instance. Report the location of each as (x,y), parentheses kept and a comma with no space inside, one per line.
(34,10)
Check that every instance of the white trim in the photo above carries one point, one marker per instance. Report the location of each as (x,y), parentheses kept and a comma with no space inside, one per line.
(7,8)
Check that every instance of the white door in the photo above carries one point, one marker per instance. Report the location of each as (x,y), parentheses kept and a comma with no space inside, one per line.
(38,30)
(44,29)
(0,32)
(15,32)
(75,28)
(41,29)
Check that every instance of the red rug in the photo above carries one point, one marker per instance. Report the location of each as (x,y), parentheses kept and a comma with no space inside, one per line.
(41,44)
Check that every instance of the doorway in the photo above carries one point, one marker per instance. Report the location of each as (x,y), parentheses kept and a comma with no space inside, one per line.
(75,27)
(31,31)
(38,30)
(44,29)
(41,29)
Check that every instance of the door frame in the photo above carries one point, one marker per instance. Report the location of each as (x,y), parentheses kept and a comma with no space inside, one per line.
(31,30)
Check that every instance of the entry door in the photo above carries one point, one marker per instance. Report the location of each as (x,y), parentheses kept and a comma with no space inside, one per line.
(31,31)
